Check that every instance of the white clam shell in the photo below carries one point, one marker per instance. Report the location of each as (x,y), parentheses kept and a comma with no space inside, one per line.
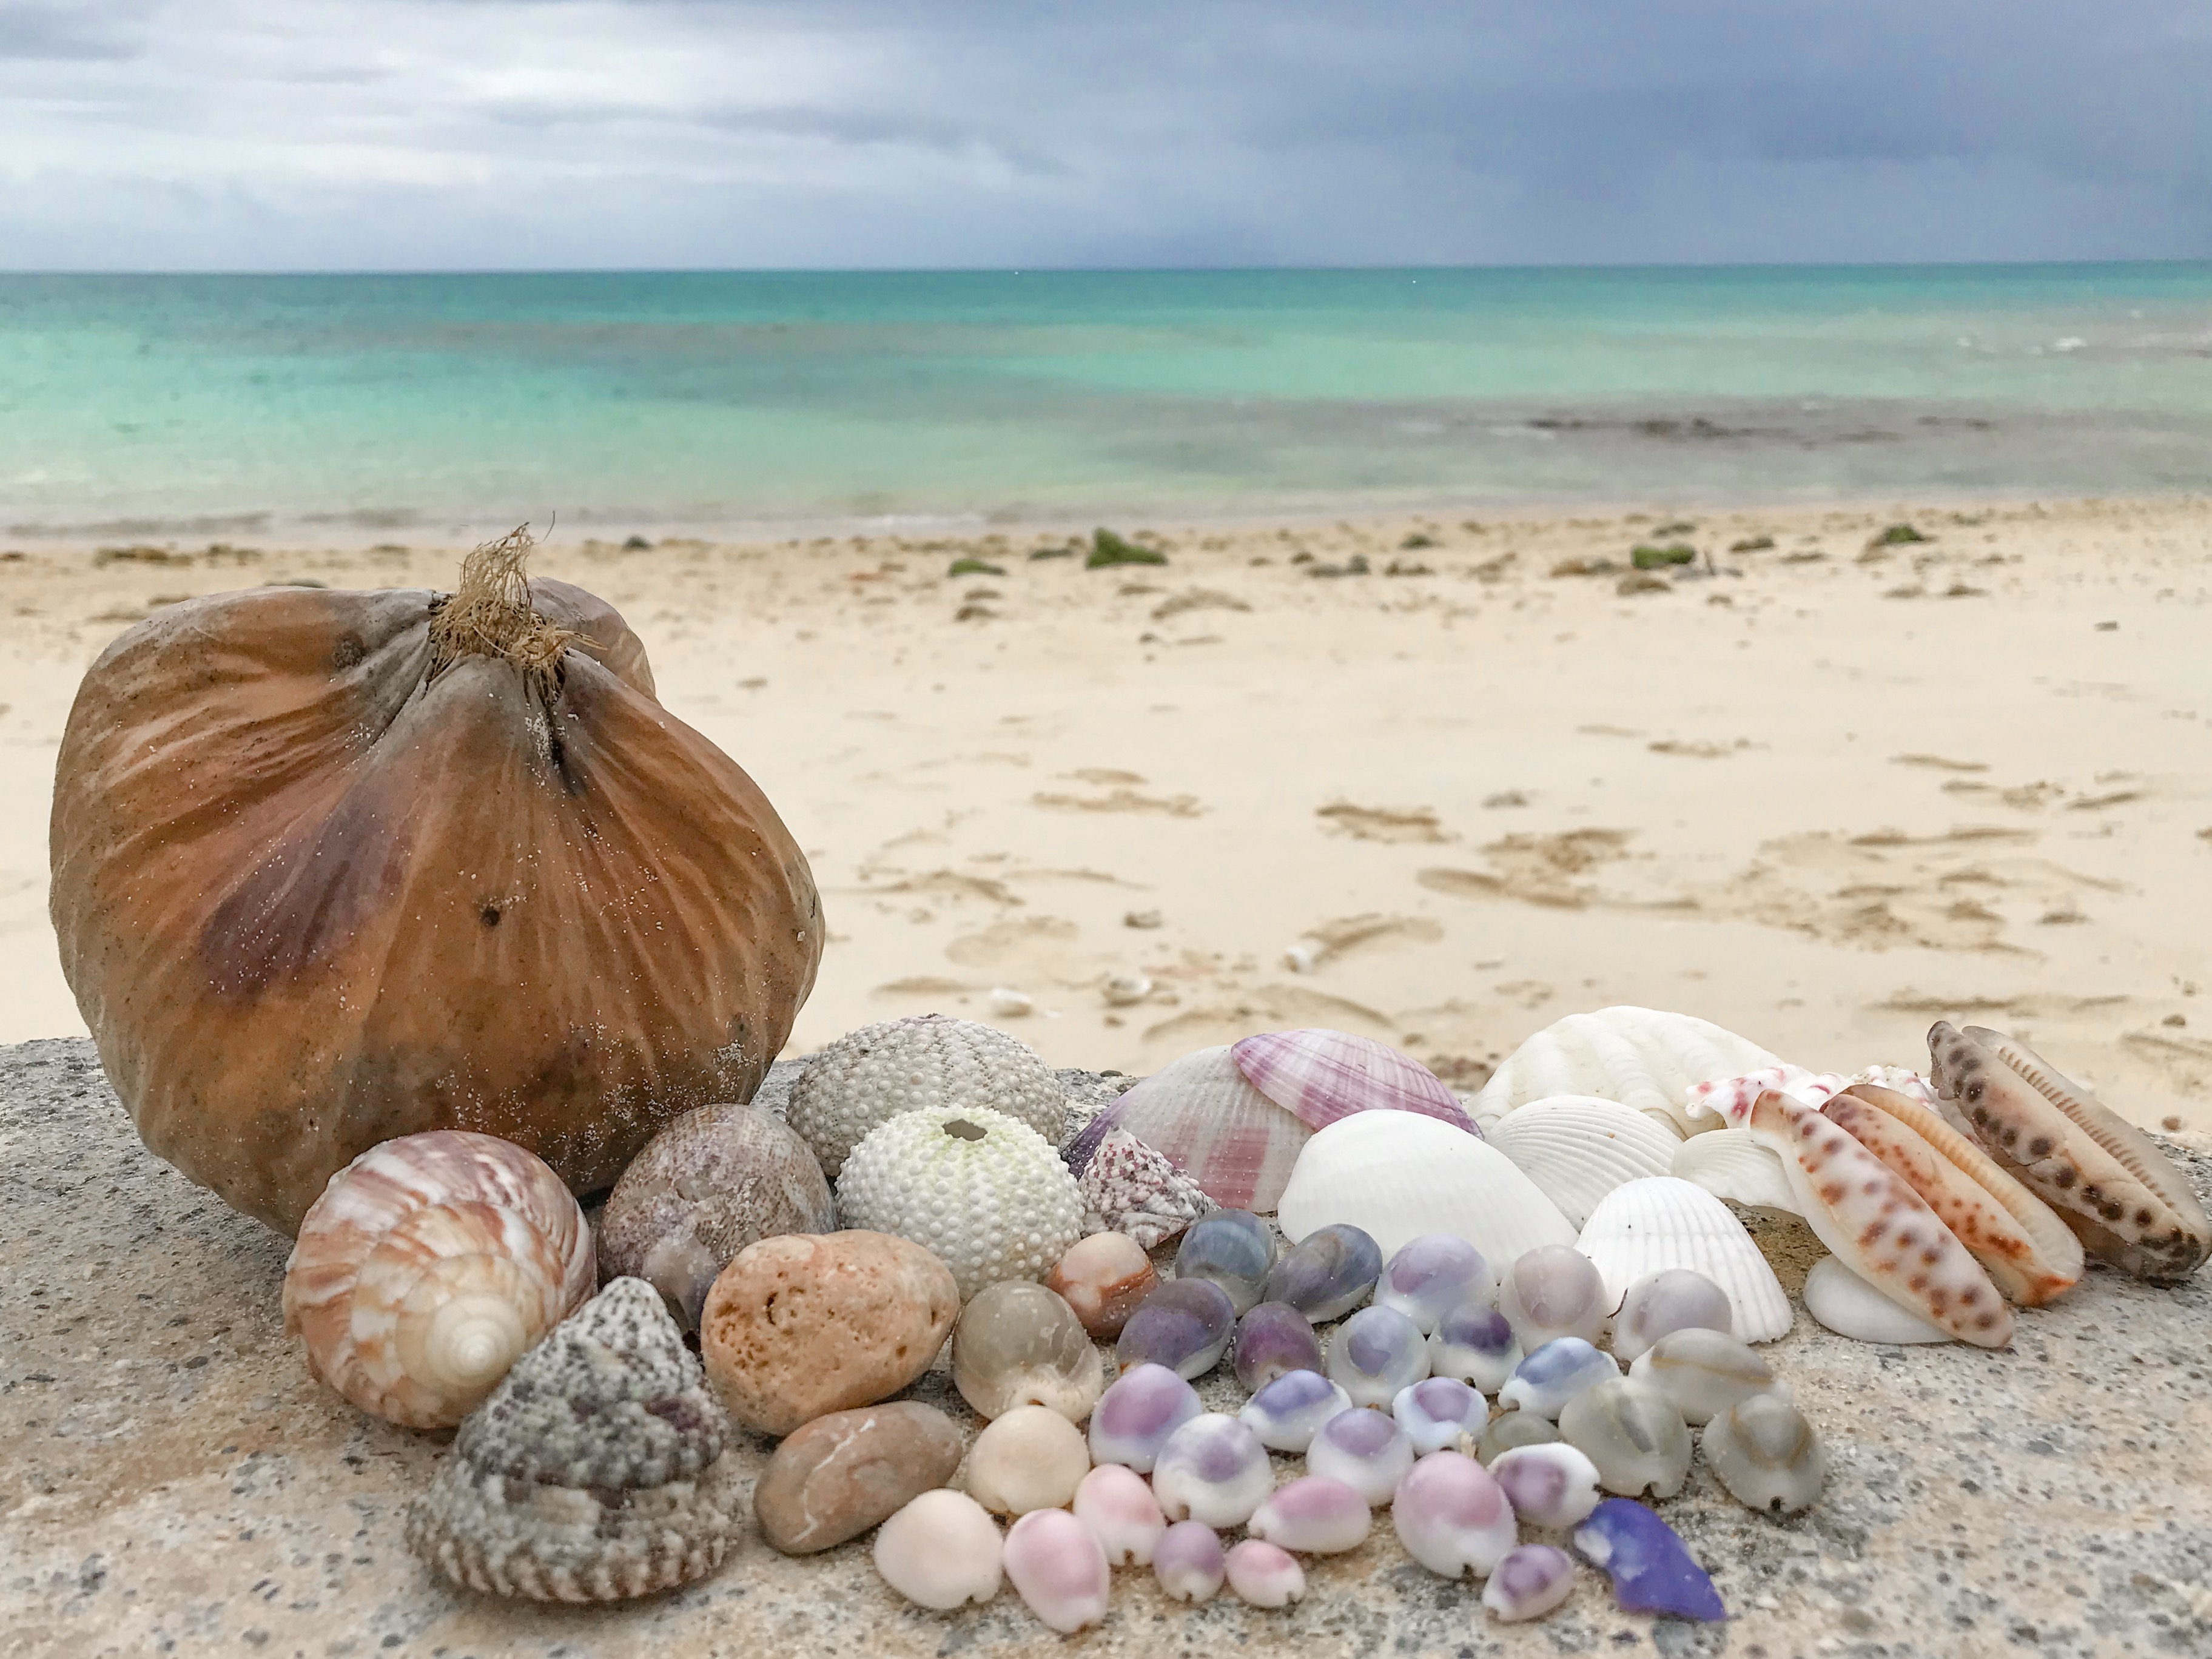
(1400,1174)
(1661,1222)
(1736,1165)
(1577,1148)
(1645,1057)
(1848,1306)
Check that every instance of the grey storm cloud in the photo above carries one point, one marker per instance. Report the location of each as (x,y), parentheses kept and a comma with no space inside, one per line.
(395,134)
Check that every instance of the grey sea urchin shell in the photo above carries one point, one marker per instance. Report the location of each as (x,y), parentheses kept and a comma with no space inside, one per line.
(869,1076)
(594,1473)
(709,1184)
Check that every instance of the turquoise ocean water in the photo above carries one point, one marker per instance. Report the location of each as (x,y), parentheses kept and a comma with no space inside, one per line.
(185,405)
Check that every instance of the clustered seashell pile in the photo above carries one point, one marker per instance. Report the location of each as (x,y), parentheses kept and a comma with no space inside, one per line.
(1533,1313)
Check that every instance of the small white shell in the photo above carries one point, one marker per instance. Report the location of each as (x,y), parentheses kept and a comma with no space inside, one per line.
(1848,1306)
(1661,1222)
(430,1265)
(1641,1057)
(1736,1165)
(1400,1174)
(1577,1148)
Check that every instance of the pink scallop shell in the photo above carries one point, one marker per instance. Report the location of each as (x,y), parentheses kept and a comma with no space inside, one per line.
(1322,1076)
(1200,1113)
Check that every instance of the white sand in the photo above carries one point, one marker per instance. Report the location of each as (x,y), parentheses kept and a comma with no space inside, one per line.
(1822,800)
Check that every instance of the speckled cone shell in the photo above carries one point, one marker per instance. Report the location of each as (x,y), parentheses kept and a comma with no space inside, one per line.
(311,896)
(428,1267)
(594,1473)
(1641,1057)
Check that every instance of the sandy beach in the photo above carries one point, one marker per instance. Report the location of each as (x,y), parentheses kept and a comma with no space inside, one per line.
(1436,780)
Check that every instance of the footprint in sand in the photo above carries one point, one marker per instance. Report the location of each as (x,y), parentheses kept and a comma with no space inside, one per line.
(1698,751)
(1270,1008)
(1384,823)
(1536,869)
(1331,941)
(1025,950)
(1123,799)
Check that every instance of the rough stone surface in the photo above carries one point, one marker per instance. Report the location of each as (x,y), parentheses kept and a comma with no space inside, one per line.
(841,1474)
(809,1323)
(174,1481)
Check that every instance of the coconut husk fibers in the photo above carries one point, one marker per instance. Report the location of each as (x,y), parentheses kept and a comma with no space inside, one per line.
(331,867)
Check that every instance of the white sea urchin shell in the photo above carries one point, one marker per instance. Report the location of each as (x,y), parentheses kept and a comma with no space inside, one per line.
(869,1076)
(986,1194)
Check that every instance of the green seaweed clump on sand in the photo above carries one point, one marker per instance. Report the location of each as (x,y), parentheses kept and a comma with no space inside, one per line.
(1650,556)
(973,566)
(1899,535)
(1108,548)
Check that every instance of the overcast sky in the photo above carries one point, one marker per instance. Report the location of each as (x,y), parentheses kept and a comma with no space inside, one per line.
(414,134)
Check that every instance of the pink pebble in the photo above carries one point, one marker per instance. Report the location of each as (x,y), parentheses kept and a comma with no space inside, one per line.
(1058,1568)
(1188,1561)
(1118,1504)
(1264,1575)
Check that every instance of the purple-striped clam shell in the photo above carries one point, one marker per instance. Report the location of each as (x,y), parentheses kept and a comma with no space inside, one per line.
(1323,1075)
(1201,1114)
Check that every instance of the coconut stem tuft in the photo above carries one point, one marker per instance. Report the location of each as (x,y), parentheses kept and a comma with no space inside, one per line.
(490,615)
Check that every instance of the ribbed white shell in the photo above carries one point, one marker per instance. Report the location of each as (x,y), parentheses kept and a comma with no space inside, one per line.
(1577,1148)
(1735,1164)
(1839,1299)
(1641,1057)
(1400,1174)
(1647,1226)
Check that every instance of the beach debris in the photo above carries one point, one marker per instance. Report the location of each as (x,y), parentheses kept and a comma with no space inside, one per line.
(593,1472)
(2131,1207)
(1188,1563)
(1399,1175)
(1451,1517)
(1058,1569)
(1646,1226)
(1368,1450)
(1577,1148)
(1875,1223)
(1234,1248)
(1263,1575)
(1140,1410)
(430,1265)
(1672,1299)
(1118,1504)
(983,1192)
(1312,1515)
(1287,1412)
(1108,548)
(1327,1273)
(1652,1569)
(1431,1275)
(1104,1277)
(1186,1325)
(711,1183)
(1124,990)
(1375,1353)
(941,1551)
(1702,1372)
(808,1323)
(1555,1291)
(1213,1469)
(875,1074)
(1766,1453)
(1272,1337)
(1018,1344)
(1529,1581)
(833,1479)
(1009,1004)
(1028,1458)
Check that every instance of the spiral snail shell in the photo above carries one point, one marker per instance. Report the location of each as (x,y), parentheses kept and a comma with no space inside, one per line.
(429,1265)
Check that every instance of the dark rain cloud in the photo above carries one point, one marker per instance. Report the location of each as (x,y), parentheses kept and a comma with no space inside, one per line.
(245,133)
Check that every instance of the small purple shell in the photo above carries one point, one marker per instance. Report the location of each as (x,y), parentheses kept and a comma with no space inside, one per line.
(1652,1569)
(1232,1247)
(1474,1343)
(1365,1450)
(1547,1379)
(1549,1485)
(1431,1275)
(1263,1575)
(1529,1581)
(1213,1469)
(1451,1516)
(1271,1341)
(1435,1411)
(1184,1325)
(1312,1516)
(1327,1273)
(1323,1075)
(1375,1353)
(1134,1417)
(1287,1412)
(1188,1561)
